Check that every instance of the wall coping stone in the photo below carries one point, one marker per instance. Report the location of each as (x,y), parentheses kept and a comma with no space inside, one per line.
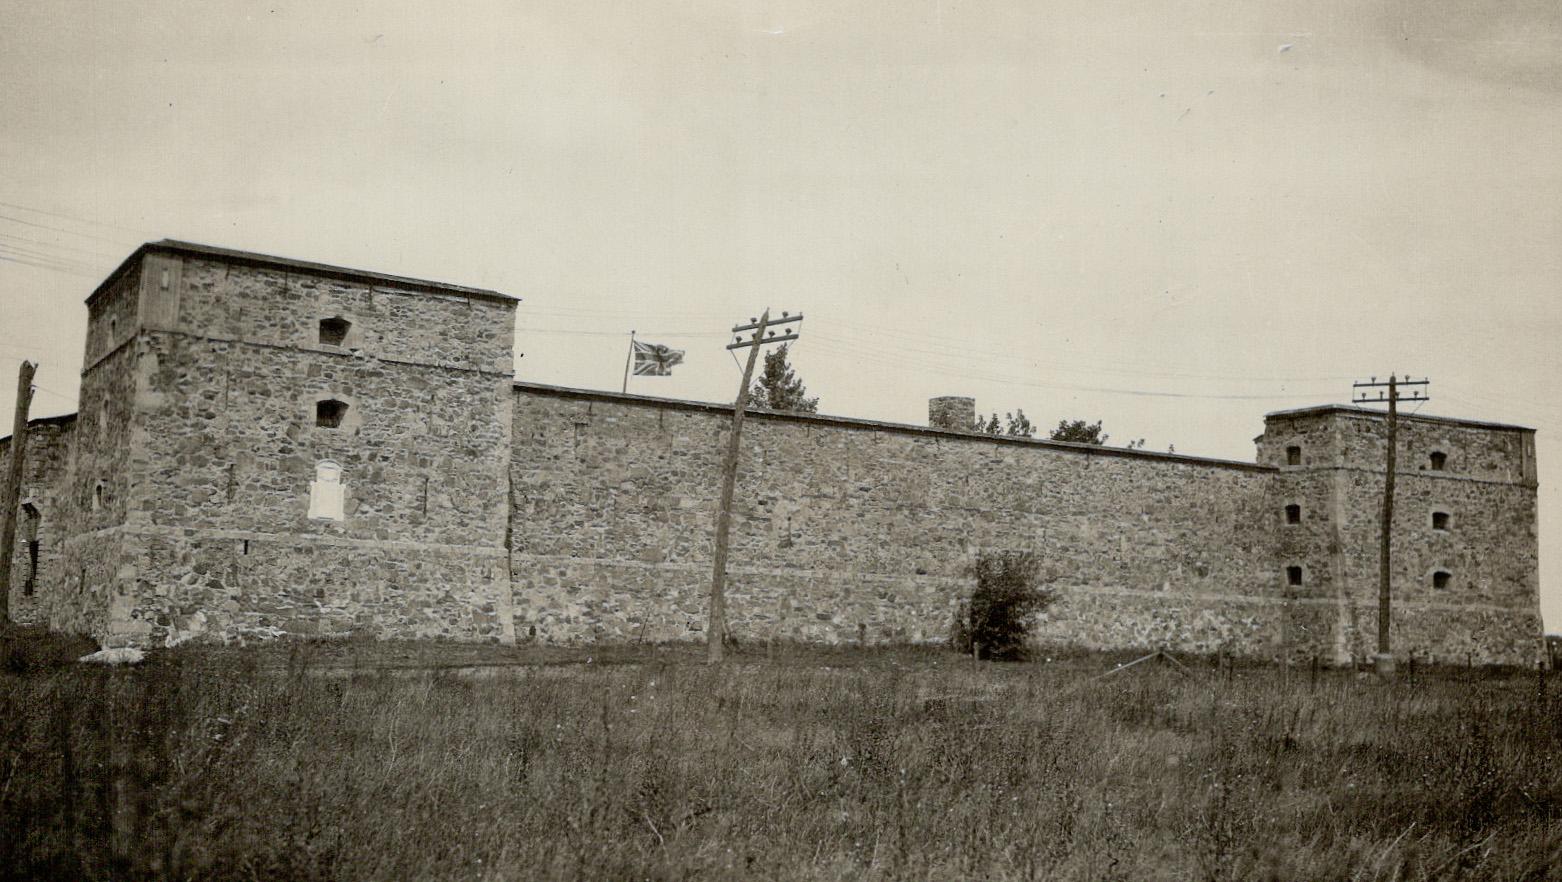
(881,425)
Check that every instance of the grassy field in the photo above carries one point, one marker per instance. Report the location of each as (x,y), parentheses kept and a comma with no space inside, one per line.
(350,762)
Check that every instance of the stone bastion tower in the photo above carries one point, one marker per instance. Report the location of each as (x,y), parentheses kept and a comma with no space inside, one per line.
(1464,546)
(267,446)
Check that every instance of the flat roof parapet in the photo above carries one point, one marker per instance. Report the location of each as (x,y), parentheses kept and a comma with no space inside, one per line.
(1351,410)
(192,249)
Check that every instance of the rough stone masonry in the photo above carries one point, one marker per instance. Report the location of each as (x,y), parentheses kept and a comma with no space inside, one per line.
(268,447)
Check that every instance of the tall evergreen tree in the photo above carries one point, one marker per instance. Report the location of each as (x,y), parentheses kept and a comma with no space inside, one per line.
(778,388)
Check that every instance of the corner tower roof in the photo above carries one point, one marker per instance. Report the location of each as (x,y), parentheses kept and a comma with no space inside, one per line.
(191,249)
(1369,412)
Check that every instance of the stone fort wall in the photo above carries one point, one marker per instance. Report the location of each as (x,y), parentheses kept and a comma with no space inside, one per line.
(184,502)
(848,529)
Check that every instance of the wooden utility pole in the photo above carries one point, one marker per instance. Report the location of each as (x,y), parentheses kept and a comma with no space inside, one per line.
(1385,657)
(716,649)
(13,485)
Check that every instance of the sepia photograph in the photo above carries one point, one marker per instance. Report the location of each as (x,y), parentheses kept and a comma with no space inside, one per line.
(936,440)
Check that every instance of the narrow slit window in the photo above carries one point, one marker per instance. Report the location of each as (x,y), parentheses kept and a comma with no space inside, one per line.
(30,522)
(1439,461)
(329,413)
(1293,455)
(1442,579)
(1440,520)
(32,569)
(1293,514)
(333,331)
(97,496)
(1293,576)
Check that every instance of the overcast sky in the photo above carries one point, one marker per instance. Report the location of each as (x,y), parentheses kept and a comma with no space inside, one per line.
(1171,217)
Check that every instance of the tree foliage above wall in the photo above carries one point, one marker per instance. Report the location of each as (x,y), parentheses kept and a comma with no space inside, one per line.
(1078,431)
(778,387)
(1014,425)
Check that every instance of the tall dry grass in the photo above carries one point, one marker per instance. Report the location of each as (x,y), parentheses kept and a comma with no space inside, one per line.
(836,765)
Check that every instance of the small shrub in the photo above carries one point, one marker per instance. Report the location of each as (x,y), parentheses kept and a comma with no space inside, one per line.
(996,621)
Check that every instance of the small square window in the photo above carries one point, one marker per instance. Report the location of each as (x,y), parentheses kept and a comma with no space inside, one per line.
(1293,455)
(329,413)
(1441,579)
(333,331)
(1439,520)
(1439,461)
(1293,575)
(1293,514)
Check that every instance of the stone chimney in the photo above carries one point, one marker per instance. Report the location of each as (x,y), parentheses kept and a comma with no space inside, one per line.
(951,412)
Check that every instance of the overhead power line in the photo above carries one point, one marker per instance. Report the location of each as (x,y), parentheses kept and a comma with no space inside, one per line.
(965,355)
(61,245)
(1087,367)
(43,254)
(49,267)
(60,395)
(963,347)
(857,356)
(573,333)
(17,220)
(64,216)
(588,312)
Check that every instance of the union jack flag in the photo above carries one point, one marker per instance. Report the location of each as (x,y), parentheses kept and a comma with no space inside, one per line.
(655,360)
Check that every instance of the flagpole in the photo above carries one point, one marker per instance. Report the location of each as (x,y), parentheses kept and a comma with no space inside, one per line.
(627,358)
